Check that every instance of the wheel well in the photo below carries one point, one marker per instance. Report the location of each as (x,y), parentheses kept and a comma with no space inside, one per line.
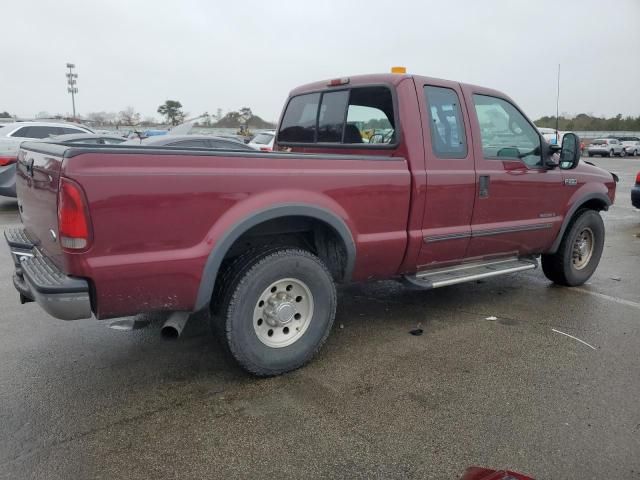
(592,204)
(309,233)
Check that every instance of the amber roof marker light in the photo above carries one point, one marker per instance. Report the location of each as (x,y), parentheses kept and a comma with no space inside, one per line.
(399,70)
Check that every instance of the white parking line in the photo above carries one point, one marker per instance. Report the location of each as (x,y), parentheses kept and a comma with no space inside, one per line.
(619,300)
(575,338)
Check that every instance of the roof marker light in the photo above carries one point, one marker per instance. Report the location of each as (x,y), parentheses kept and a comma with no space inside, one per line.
(338,81)
(400,70)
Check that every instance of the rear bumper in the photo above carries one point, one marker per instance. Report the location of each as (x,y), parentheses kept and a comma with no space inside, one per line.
(37,279)
(8,181)
(635,196)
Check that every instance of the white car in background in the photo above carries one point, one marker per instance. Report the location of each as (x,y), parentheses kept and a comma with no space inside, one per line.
(631,145)
(263,141)
(13,134)
(549,135)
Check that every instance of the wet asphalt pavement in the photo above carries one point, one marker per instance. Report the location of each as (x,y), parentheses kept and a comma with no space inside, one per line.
(80,400)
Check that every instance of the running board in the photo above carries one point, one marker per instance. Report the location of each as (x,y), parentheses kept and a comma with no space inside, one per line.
(469,272)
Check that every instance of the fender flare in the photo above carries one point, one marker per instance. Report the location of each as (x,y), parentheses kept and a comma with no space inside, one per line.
(576,206)
(222,246)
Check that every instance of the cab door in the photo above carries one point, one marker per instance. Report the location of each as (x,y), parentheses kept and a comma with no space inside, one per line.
(450,174)
(517,199)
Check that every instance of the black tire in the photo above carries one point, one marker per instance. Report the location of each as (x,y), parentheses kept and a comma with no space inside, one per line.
(611,153)
(559,267)
(590,155)
(623,153)
(243,284)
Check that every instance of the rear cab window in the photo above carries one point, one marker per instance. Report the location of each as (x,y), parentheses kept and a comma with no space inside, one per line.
(448,139)
(357,115)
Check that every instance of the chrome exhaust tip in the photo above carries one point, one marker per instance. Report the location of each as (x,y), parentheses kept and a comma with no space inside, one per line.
(174,325)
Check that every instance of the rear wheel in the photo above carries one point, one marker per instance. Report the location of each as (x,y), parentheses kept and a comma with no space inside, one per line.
(277,310)
(635,153)
(611,153)
(622,153)
(579,252)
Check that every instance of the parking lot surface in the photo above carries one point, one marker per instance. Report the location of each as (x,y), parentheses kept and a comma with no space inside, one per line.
(80,400)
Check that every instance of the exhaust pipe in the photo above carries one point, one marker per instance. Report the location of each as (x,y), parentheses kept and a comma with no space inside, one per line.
(173,326)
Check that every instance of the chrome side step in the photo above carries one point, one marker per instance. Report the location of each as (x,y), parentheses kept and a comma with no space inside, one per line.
(469,272)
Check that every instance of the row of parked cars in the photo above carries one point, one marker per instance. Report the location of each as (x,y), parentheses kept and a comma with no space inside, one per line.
(615,146)
(13,134)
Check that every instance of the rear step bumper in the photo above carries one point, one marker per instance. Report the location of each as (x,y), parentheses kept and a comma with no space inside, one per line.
(37,278)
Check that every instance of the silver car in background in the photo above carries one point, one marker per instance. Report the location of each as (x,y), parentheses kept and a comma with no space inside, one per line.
(607,147)
(13,134)
(631,145)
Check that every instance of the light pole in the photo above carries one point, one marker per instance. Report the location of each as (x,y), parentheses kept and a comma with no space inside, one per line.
(72,89)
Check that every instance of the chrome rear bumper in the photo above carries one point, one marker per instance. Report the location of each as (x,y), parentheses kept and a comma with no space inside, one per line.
(38,279)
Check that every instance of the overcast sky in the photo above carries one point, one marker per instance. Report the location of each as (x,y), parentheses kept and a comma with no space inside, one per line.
(226,54)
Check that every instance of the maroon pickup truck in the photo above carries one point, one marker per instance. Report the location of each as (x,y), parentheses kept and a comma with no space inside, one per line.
(378,176)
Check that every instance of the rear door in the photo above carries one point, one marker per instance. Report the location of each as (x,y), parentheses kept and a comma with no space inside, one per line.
(518,200)
(450,172)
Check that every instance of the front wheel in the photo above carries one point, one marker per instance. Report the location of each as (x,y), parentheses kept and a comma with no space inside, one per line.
(611,153)
(277,310)
(579,252)
(622,153)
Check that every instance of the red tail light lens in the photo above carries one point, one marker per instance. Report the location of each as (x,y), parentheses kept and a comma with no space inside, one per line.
(5,160)
(638,179)
(265,149)
(73,216)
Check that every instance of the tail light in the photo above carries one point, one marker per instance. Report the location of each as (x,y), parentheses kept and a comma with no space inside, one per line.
(265,149)
(638,179)
(6,160)
(73,216)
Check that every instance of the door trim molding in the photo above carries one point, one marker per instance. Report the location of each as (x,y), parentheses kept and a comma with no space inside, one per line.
(519,228)
(487,232)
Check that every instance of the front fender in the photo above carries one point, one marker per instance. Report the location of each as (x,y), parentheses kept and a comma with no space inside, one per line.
(578,200)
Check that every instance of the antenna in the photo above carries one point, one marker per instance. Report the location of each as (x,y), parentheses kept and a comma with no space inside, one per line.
(558,107)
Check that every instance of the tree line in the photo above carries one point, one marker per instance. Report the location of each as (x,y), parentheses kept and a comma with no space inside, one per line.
(584,122)
(172,113)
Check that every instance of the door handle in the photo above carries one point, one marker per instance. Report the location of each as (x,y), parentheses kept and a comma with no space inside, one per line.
(483,190)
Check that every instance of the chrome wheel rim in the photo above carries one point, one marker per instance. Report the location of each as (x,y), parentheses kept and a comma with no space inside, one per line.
(283,312)
(583,248)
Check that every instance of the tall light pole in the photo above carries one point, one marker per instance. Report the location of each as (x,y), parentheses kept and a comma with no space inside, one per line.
(72,89)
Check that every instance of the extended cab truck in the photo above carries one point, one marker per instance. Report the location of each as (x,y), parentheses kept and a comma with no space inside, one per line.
(452,183)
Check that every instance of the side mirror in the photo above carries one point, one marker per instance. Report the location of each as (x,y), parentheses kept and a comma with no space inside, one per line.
(570,151)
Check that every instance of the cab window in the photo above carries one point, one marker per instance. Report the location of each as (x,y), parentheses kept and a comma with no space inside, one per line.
(362,115)
(448,139)
(505,132)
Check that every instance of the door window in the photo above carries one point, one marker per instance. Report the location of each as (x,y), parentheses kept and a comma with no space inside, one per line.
(505,132)
(448,139)
(37,132)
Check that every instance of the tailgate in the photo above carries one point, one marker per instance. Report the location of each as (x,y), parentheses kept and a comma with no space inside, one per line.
(37,182)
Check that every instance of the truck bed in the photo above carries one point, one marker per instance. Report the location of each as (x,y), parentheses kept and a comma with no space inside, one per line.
(157,213)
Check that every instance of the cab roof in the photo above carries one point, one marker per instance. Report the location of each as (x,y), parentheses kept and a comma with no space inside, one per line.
(391,79)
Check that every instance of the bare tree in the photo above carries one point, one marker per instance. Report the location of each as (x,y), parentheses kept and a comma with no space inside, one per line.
(129,117)
(98,118)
